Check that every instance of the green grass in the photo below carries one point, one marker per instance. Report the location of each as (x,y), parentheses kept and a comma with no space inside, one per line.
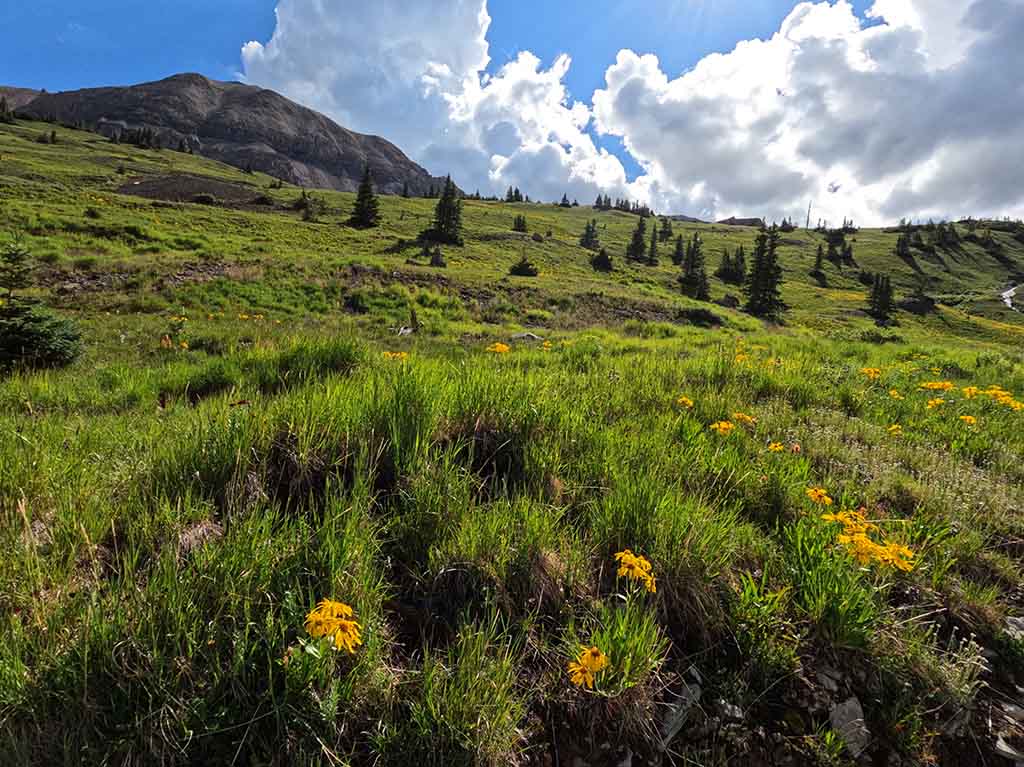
(171,511)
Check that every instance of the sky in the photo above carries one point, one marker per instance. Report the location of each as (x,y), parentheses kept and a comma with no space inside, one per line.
(868,109)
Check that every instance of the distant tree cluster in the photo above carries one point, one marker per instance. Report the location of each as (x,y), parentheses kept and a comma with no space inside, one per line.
(144,138)
(733,266)
(604,202)
(514,195)
(665,233)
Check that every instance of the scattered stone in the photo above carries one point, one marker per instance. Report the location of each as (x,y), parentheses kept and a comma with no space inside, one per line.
(526,337)
(847,719)
(678,714)
(198,535)
(1015,628)
(730,711)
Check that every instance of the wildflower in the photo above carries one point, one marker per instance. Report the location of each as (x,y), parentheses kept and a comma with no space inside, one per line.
(853,522)
(636,568)
(873,374)
(776,447)
(795,448)
(742,357)
(744,419)
(685,402)
(546,346)
(399,356)
(334,620)
(895,555)
(935,403)
(243,316)
(499,348)
(723,428)
(896,430)
(938,386)
(184,345)
(819,496)
(970,420)
(970,392)
(591,661)
(895,394)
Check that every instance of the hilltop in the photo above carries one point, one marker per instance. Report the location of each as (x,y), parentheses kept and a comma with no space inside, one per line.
(241,125)
(321,494)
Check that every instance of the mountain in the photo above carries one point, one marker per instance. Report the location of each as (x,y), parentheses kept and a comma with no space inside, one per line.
(17,97)
(733,221)
(240,125)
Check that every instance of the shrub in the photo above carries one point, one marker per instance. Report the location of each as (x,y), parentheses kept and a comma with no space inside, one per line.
(30,335)
(601,262)
(524,268)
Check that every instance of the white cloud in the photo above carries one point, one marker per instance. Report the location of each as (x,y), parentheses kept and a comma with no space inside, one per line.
(915,112)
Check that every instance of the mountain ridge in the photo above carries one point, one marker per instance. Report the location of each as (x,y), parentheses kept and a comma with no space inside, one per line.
(241,125)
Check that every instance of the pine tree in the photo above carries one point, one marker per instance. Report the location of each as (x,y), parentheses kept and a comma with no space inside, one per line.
(366,213)
(666,230)
(448,216)
(819,260)
(652,253)
(739,266)
(517,196)
(565,202)
(763,283)
(725,266)
(638,245)
(679,254)
(589,238)
(519,224)
(694,279)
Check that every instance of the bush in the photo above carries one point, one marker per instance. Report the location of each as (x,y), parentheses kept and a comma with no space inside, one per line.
(524,268)
(601,262)
(33,337)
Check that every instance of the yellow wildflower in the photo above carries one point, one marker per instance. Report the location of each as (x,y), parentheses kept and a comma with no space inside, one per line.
(895,555)
(334,620)
(819,496)
(896,430)
(970,420)
(724,428)
(590,662)
(895,394)
(546,346)
(776,447)
(935,403)
(873,374)
(399,356)
(499,348)
(938,386)
(742,357)
(685,402)
(184,345)
(970,392)
(636,568)
(744,419)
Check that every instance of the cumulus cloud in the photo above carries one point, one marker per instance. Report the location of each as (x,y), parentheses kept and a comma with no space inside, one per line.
(915,115)
(415,74)
(914,111)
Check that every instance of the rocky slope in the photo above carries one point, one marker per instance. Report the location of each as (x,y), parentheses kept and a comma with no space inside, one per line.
(241,125)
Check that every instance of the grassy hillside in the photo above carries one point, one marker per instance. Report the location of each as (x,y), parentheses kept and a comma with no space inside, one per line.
(829,514)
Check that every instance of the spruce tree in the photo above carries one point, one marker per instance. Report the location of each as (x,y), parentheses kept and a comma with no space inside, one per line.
(589,238)
(763,283)
(367,210)
(448,216)
(725,268)
(694,279)
(819,260)
(519,224)
(652,253)
(666,230)
(601,261)
(739,266)
(679,254)
(638,245)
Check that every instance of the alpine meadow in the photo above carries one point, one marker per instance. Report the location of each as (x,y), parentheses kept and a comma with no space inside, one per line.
(312,456)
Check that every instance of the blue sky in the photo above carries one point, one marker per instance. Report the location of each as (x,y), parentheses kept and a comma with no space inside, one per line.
(63,44)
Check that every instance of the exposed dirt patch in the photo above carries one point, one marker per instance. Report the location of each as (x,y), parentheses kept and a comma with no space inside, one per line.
(181,187)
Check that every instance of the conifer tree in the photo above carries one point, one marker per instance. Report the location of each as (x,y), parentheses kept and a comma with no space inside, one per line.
(638,245)
(519,224)
(666,230)
(652,253)
(601,261)
(694,279)
(763,283)
(739,266)
(448,216)
(819,260)
(366,213)
(679,254)
(589,238)
(405,190)
(724,271)
(6,115)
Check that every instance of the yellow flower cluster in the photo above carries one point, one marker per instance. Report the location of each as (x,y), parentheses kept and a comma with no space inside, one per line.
(685,402)
(896,430)
(397,356)
(1003,397)
(590,662)
(499,348)
(724,428)
(857,539)
(970,420)
(938,386)
(253,317)
(873,374)
(936,403)
(334,621)
(744,419)
(895,394)
(636,568)
(819,496)
(179,318)
(776,447)
(546,346)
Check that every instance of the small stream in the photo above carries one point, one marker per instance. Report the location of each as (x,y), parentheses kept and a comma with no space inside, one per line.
(1009,295)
